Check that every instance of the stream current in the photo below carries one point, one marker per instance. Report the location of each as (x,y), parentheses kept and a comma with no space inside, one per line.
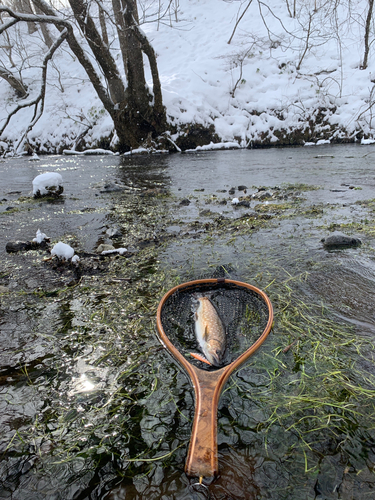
(91,405)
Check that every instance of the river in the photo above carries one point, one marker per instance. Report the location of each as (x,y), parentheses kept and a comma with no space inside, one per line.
(93,407)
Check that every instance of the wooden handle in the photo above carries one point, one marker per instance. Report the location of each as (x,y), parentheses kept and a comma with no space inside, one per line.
(202,459)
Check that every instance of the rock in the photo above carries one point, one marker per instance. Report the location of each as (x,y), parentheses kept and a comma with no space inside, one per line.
(48,184)
(114,232)
(262,195)
(337,240)
(243,203)
(104,248)
(232,190)
(242,188)
(205,213)
(185,202)
(18,246)
(4,289)
(111,187)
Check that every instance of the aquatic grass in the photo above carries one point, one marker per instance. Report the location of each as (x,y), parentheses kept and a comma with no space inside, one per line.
(315,390)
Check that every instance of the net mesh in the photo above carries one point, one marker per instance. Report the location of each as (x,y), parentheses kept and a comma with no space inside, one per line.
(243,312)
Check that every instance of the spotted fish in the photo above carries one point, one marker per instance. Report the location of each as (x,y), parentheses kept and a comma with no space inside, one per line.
(210,332)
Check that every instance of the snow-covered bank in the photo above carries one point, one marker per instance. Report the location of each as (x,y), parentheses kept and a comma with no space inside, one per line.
(281,80)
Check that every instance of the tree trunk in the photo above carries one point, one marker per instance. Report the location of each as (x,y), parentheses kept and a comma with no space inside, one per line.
(121,32)
(367,34)
(137,92)
(101,52)
(18,86)
(103,25)
(25,6)
(48,40)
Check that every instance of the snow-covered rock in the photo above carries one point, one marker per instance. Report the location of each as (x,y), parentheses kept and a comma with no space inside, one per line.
(62,251)
(49,183)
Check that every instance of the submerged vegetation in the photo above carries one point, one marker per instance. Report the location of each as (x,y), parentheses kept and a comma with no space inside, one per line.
(93,403)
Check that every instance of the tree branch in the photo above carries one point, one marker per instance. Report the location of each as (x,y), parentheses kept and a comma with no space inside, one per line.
(81,56)
(39,99)
(100,50)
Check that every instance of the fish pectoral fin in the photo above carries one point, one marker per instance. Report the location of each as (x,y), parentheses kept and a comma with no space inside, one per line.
(200,357)
(205,333)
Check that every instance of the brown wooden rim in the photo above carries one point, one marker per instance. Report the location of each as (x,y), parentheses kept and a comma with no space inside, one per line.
(228,369)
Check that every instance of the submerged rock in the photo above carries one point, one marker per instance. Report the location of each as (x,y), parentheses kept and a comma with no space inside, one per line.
(262,195)
(114,232)
(337,240)
(18,246)
(185,202)
(243,203)
(111,187)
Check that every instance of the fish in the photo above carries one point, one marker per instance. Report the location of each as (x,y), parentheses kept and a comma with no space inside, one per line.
(210,332)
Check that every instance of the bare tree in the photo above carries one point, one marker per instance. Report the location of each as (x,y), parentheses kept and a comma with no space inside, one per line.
(135,112)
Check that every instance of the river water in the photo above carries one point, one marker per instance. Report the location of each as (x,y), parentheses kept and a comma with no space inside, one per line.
(91,404)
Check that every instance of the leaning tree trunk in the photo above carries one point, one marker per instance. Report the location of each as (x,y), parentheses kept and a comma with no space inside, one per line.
(19,87)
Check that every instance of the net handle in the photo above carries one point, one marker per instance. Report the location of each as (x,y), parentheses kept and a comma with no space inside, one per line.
(202,459)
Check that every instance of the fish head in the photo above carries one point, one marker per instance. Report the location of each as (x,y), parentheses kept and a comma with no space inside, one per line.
(214,353)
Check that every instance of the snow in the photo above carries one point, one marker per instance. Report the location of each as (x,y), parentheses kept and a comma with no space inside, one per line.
(97,151)
(62,251)
(42,182)
(251,90)
(40,237)
(235,201)
(121,251)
